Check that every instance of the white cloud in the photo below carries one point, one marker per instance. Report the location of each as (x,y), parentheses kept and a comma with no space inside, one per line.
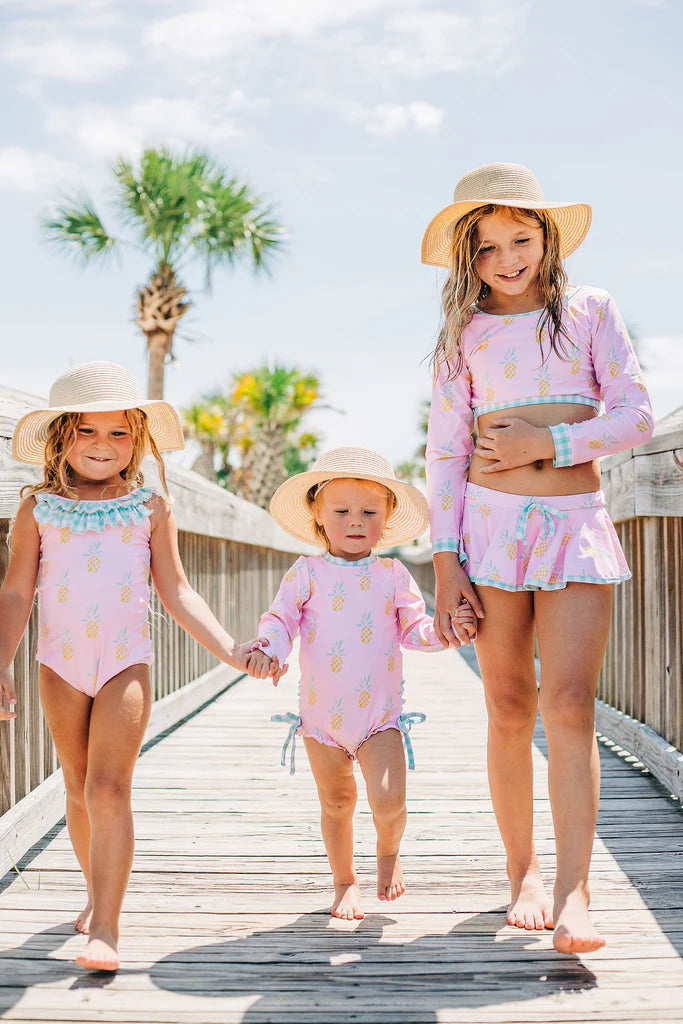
(105,132)
(65,58)
(392,118)
(30,170)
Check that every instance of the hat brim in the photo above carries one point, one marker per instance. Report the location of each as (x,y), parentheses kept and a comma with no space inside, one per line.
(290,509)
(30,433)
(573,221)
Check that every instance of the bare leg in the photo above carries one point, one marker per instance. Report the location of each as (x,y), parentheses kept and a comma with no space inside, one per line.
(573,627)
(67,713)
(333,773)
(118,720)
(383,764)
(505,650)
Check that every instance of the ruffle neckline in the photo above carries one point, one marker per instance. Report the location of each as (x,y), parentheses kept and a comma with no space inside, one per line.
(83,516)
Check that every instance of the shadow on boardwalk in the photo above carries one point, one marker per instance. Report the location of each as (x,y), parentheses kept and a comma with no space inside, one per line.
(344,973)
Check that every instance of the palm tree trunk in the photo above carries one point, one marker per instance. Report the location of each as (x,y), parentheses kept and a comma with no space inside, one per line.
(158,344)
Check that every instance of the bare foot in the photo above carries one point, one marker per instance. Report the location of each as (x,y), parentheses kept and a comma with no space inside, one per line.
(574,931)
(100,954)
(530,906)
(390,883)
(82,922)
(346,904)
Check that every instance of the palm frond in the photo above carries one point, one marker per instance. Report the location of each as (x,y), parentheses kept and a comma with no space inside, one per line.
(77,229)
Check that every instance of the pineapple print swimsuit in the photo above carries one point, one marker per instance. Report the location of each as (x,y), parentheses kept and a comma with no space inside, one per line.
(353,618)
(93,587)
(527,542)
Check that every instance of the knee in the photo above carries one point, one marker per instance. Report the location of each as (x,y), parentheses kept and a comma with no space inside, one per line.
(569,708)
(106,794)
(514,709)
(338,801)
(74,783)
(389,802)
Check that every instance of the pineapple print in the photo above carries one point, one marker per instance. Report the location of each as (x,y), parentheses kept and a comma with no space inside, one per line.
(507,320)
(121,645)
(602,313)
(337,712)
(386,562)
(65,534)
(364,691)
(543,379)
(389,600)
(447,397)
(446,495)
(93,554)
(126,584)
(488,390)
(390,655)
(337,656)
(311,694)
(290,575)
(364,579)
(313,630)
(576,362)
(338,596)
(44,631)
(126,534)
(642,426)
(508,542)
(388,711)
(145,630)
(542,574)
(62,585)
(597,443)
(541,548)
(67,648)
(365,626)
(92,621)
(509,362)
(614,366)
(565,540)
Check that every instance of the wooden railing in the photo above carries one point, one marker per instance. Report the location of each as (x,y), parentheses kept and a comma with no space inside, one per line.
(233,554)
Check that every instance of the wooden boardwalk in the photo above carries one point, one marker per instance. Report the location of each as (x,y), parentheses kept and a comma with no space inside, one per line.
(226,915)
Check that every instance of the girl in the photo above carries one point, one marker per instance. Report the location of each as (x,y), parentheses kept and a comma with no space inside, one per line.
(88,535)
(520,515)
(353,611)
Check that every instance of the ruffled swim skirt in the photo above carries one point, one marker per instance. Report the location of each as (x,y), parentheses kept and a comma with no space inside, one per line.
(523,542)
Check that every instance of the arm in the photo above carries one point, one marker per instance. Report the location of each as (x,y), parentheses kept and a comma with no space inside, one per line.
(280,624)
(627,420)
(416,628)
(16,596)
(449,450)
(184,604)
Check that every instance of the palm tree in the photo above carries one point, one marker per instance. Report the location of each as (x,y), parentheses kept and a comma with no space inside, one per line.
(179,208)
(214,423)
(274,403)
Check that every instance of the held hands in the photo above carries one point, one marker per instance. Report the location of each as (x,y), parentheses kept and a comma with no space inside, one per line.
(7,690)
(260,665)
(457,604)
(510,441)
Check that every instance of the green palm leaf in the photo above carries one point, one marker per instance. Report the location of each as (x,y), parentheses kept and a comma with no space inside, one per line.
(77,229)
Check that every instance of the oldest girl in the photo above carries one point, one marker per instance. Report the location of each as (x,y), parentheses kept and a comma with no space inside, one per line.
(519,526)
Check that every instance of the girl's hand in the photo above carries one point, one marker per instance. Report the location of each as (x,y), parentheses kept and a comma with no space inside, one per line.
(465,618)
(7,690)
(510,441)
(260,665)
(240,655)
(452,588)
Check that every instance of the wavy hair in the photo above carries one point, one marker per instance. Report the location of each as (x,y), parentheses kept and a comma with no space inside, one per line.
(58,476)
(464,289)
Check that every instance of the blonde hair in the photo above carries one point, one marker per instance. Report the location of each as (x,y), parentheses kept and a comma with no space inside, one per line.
(464,289)
(312,497)
(58,476)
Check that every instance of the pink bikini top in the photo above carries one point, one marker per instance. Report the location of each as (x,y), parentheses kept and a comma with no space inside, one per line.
(505,367)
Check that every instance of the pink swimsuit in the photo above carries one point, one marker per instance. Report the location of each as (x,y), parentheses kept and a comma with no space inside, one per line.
(520,542)
(353,619)
(93,587)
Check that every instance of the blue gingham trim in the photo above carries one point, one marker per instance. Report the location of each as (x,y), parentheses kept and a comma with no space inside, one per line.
(563,445)
(446,544)
(517,403)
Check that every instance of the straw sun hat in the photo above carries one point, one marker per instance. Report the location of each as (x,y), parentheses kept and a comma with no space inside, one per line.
(94,387)
(505,185)
(290,509)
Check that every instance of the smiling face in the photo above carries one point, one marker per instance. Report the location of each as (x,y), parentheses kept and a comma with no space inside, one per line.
(511,249)
(352,513)
(102,449)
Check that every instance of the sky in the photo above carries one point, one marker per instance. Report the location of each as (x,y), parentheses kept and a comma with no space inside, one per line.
(354,121)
